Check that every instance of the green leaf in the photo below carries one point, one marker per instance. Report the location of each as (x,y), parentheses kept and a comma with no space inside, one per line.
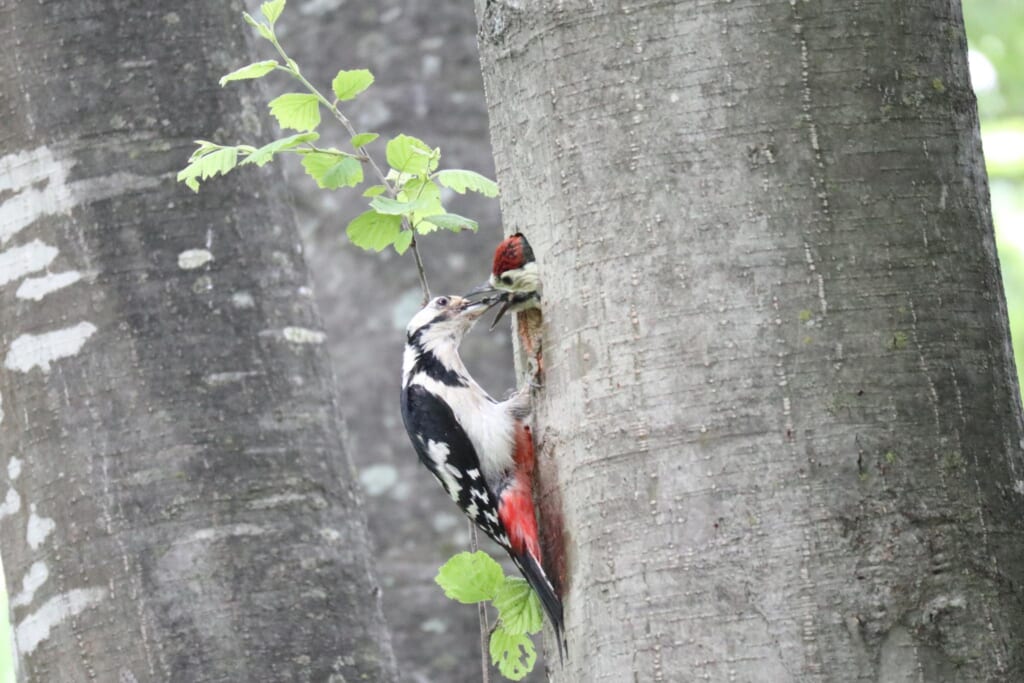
(429,194)
(363,139)
(220,161)
(460,181)
(346,173)
(403,241)
(331,171)
(421,188)
(264,30)
(374,190)
(399,179)
(428,191)
(299,111)
(452,221)
(396,208)
(204,147)
(215,160)
(272,10)
(470,577)
(518,607)
(317,163)
(513,654)
(372,230)
(256,70)
(265,153)
(407,154)
(348,84)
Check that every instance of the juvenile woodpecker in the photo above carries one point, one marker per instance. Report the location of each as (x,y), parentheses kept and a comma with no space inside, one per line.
(479,449)
(515,275)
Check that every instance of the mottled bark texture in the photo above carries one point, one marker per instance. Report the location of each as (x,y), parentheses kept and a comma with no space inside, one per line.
(780,403)
(178,505)
(423,54)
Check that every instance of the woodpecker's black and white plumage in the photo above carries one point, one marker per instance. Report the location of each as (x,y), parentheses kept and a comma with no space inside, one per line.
(514,275)
(479,449)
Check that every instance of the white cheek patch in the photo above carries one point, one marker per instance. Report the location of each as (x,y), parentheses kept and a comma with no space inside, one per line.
(525,279)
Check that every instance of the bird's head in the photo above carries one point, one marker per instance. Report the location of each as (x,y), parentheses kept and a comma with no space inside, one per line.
(514,276)
(514,268)
(446,319)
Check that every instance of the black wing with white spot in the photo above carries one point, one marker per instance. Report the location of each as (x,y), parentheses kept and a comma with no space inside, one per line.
(447,452)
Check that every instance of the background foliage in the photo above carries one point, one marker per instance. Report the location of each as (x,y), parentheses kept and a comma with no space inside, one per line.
(995,34)
(995,31)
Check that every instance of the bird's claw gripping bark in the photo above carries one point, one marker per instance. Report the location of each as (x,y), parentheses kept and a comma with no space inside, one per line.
(519,403)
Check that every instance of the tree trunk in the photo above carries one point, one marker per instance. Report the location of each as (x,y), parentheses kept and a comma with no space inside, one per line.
(780,404)
(423,54)
(177,502)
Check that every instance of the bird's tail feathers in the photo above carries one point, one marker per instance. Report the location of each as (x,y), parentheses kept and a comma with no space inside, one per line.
(549,600)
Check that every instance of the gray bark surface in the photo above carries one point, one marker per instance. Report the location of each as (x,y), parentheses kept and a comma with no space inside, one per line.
(428,84)
(178,503)
(780,403)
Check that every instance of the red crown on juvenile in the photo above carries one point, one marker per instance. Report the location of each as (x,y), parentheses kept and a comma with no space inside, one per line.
(514,252)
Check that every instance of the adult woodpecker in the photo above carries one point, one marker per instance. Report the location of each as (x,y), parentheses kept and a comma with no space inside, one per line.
(479,449)
(515,275)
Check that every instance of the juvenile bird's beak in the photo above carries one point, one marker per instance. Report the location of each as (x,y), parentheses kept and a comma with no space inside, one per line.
(506,301)
(485,288)
(474,309)
(493,296)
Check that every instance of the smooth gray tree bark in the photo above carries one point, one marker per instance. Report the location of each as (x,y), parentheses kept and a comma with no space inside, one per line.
(424,57)
(177,501)
(780,404)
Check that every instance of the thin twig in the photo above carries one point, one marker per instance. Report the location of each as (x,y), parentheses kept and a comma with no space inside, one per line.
(423,273)
(292,68)
(485,629)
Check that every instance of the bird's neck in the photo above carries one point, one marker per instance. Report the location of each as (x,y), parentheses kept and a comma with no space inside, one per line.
(446,352)
(437,356)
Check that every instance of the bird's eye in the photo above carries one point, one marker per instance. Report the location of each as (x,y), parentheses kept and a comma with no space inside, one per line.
(507,279)
(441,301)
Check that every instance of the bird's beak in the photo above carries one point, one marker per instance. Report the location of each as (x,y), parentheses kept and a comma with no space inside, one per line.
(506,301)
(485,288)
(492,297)
(474,309)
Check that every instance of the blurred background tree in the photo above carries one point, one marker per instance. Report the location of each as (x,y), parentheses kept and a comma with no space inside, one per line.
(995,34)
(429,47)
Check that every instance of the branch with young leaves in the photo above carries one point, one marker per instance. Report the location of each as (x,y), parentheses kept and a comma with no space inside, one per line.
(405,202)
(472,578)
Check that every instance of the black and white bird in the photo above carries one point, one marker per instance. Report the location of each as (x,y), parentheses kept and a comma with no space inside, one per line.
(479,449)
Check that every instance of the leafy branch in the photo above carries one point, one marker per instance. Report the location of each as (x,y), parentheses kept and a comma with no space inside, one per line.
(472,578)
(405,202)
